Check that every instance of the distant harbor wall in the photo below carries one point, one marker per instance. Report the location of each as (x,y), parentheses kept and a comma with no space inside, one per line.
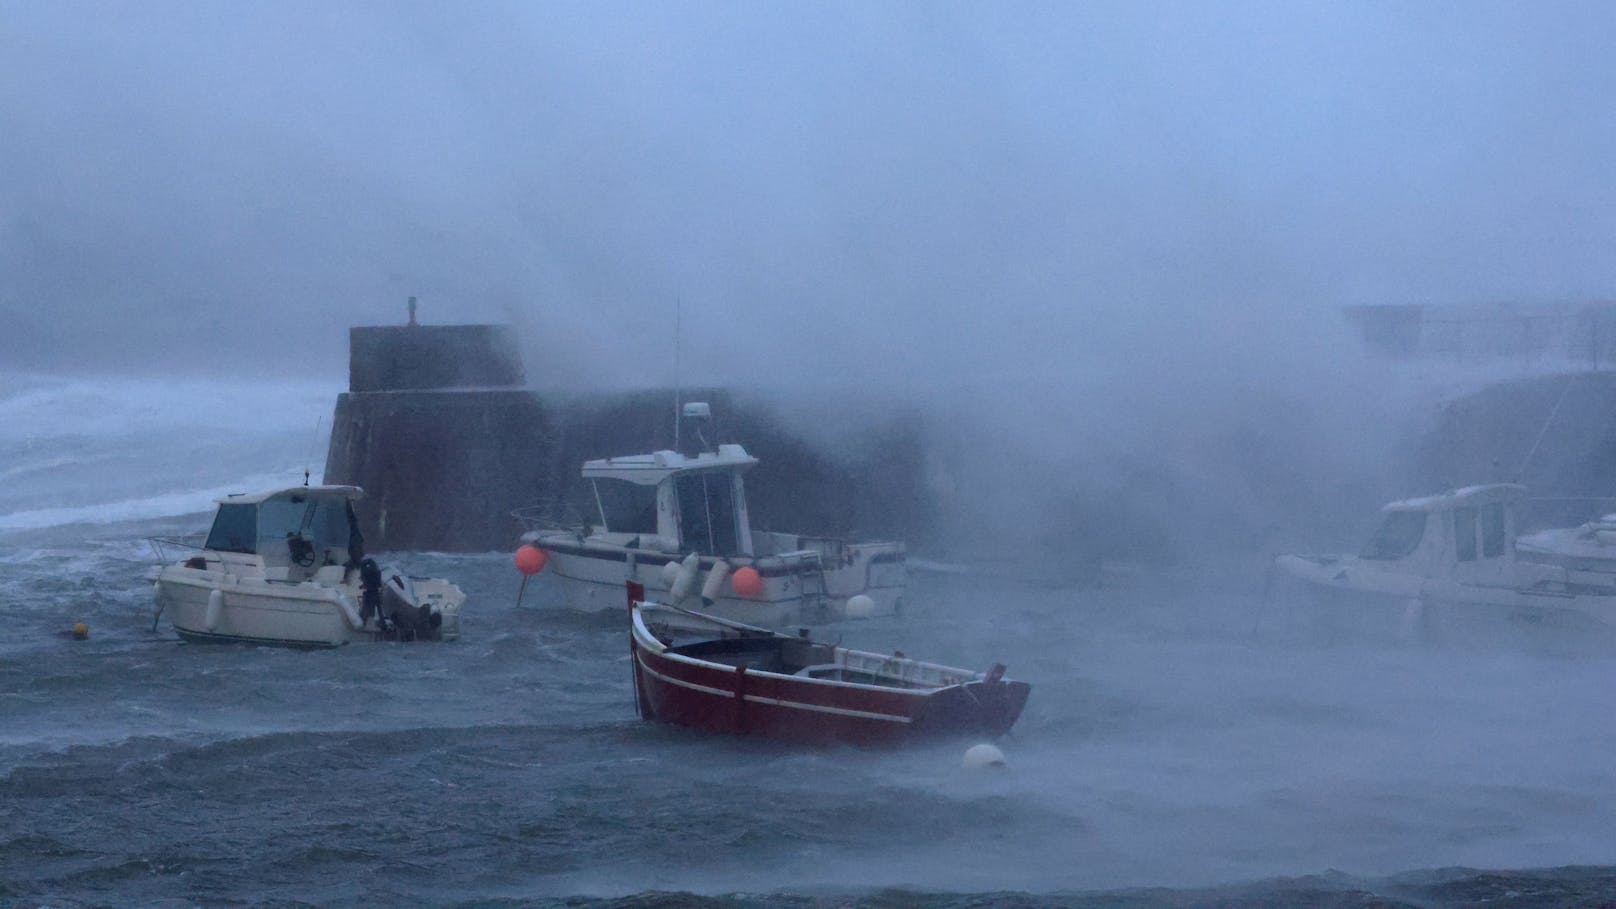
(405,357)
(1581,333)
(438,430)
(1556,434)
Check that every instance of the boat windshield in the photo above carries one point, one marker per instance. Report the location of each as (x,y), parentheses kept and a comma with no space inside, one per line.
(321,519)
(1399,535)
(626,507)
(235,529)
(707,512)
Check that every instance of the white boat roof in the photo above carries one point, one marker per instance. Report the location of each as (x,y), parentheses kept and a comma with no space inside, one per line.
(351,493)
(1463,496)
(651,469)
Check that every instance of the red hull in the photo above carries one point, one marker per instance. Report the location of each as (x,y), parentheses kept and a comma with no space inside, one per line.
(742,700)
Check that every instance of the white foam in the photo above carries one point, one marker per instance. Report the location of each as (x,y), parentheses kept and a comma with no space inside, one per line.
(158,506)
(53,407)
(110,450)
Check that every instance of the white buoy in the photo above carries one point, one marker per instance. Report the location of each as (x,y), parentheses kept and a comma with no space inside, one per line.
(984,755)
(860,606)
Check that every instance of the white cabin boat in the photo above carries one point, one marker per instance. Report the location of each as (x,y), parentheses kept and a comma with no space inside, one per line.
(287,567)
(1458,548)
(678,524)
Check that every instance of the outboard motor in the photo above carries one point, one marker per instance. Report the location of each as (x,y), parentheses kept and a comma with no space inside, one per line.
(390,595)
(400,603)
(370,591)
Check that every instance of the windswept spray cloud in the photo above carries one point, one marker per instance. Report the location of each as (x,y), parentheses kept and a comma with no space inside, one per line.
(1118,232)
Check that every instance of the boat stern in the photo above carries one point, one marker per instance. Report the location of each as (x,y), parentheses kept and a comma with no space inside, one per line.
(986,707)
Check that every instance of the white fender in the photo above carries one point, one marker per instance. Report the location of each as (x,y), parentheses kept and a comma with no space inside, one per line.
(349,613)
(670,573)
(680,588)
(715,582)
(210,619)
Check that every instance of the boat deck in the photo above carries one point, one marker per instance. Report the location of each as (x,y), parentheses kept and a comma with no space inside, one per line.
(792,656)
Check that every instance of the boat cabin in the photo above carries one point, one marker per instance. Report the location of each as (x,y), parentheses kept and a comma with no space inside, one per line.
(307,526)
(1468,531)
(672,502)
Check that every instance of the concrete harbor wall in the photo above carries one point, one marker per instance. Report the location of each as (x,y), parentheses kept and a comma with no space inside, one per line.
(443,462)
(1556,434)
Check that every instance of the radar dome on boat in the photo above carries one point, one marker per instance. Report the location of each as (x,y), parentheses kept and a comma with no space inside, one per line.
(860,606)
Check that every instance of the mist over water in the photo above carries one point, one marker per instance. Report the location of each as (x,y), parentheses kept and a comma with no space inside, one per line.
(1097,252)
(1184,732)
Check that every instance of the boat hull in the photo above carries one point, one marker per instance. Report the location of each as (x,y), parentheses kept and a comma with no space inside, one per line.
(738,700)
(204,607)
(591,579)
(1348,582)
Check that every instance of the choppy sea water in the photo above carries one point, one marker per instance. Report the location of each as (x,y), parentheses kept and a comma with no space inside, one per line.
(1186,744)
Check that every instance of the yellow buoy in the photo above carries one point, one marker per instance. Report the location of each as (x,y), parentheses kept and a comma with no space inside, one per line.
(81,631)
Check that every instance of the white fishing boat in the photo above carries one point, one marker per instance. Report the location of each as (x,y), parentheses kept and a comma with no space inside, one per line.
(287,567)
(1458,548)
(677,523)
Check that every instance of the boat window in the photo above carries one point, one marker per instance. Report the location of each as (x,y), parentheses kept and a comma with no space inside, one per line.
(328,524)
(235,529)
(279,518)
(707,512)
(1464,534)
(1492,531)
(627,507)
(1399,535)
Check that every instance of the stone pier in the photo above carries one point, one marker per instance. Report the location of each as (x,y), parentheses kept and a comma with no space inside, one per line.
(446,439)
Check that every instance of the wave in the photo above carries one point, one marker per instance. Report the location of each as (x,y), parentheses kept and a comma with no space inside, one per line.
(47,407)
(104,450)
(165,505)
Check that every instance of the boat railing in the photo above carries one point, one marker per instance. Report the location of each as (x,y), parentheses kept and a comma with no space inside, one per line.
(163,546)
(904,669)
(561,516)
(831,550)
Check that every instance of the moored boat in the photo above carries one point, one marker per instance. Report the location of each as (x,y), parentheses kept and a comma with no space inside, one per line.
(708,673)
(678,524)
(1587,552)
(287,567)
(1459,548)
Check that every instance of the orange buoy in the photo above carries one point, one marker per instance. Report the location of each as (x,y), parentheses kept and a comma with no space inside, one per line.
(746,581)
(531,559)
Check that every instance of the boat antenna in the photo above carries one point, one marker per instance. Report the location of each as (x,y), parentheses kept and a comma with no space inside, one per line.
(313,443)
(678,392)
(1544,429)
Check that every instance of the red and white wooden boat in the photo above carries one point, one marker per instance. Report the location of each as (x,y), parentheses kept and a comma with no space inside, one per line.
(710,673)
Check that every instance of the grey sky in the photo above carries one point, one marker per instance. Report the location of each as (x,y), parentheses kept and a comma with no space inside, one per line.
(866,191)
